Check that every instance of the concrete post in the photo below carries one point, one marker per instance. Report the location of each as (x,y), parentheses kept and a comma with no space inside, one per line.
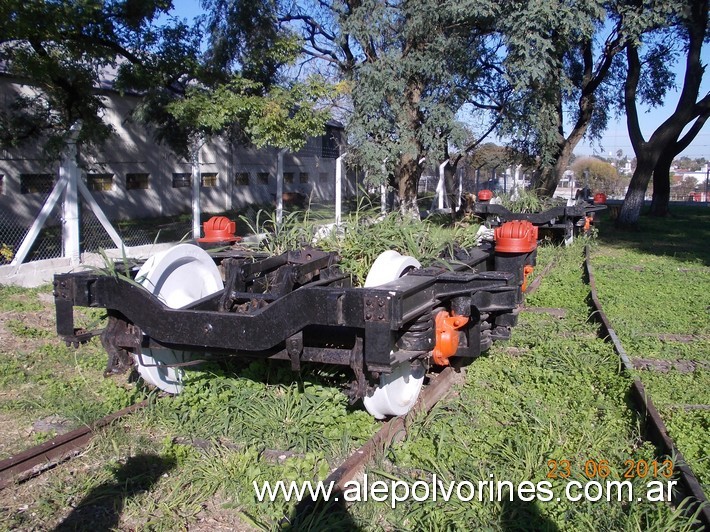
(69,169)
(339,189)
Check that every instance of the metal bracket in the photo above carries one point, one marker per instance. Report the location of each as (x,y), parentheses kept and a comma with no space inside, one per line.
(294,348)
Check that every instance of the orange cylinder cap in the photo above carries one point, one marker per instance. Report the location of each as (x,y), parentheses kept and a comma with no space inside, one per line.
(219,229)
(485,195)
(517,236)
(599,198)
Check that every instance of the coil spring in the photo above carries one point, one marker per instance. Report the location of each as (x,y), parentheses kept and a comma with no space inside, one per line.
(419,335)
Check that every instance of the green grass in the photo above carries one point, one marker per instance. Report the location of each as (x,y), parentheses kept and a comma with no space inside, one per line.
(553,392)
(654,284)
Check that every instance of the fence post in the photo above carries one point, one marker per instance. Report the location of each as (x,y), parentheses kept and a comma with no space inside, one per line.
(69,170)
(339,189)
(441,186)
(280,186)
(195,148)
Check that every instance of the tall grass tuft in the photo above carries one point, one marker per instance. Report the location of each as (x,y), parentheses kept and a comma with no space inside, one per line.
(363,235)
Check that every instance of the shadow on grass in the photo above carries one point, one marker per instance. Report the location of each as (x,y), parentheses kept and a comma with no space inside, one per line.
(524,515)
(334,515)
(683,234)
(101,508)
(321,515)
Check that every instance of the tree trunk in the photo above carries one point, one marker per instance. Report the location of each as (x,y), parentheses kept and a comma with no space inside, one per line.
(662,185)
(633,202)
(408,175)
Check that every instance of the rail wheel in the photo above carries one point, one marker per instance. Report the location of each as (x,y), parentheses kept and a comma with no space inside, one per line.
(396,392)
(178,276)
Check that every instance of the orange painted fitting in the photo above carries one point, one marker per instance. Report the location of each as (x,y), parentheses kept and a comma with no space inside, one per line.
(600,198)
(447,337)
(526,271)
(485,195)
(518,236)
(219,229)
(588,223)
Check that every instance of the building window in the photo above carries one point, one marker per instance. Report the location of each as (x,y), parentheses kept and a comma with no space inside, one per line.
(36,183)
(242,179)
(262,178)
(323,177)
(137,181)
(303,177)
(182,180)
(208,179)
(99,182)
(288,178)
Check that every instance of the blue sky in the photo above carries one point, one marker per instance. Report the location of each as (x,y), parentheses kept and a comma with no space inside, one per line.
(616,137)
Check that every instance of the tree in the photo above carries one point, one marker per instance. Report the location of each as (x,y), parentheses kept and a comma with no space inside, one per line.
(685,186)
(559,66)
(688,24)
(63,49)
(599,175)
(408,68)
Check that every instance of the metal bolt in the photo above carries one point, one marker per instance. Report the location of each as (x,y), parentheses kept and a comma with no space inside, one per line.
(208,328)
(381,303)
(381,316)
(368,316)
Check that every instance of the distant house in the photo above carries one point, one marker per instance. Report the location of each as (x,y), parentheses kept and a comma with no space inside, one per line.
(132,176)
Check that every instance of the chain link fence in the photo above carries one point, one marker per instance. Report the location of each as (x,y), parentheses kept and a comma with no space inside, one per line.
(48,244)
(13,231)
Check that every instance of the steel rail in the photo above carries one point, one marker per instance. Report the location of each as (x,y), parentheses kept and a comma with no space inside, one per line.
(656,430)
(49,454)
(392,430)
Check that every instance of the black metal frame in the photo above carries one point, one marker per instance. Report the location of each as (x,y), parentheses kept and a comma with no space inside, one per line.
(299,306)
(563,218)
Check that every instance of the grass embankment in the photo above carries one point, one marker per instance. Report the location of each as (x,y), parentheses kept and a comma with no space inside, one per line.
(654,284)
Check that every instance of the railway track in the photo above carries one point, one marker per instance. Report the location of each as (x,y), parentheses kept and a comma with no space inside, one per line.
(49,454)
(655,428)
(44,457)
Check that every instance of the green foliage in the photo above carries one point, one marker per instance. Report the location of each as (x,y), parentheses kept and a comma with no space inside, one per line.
(284,117)
(264,404)
(599,175)
(524,200)
(63,50)
(654,286)
(364,234)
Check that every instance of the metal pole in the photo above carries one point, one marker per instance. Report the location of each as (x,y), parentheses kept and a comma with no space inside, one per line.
(338,189)
(280,186)
(195,149)
(458,202)
(707,176)
(441,186)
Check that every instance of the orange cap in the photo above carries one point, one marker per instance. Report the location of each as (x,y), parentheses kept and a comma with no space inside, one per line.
(599,198)
(219,229)
(485,195)
(517,236)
